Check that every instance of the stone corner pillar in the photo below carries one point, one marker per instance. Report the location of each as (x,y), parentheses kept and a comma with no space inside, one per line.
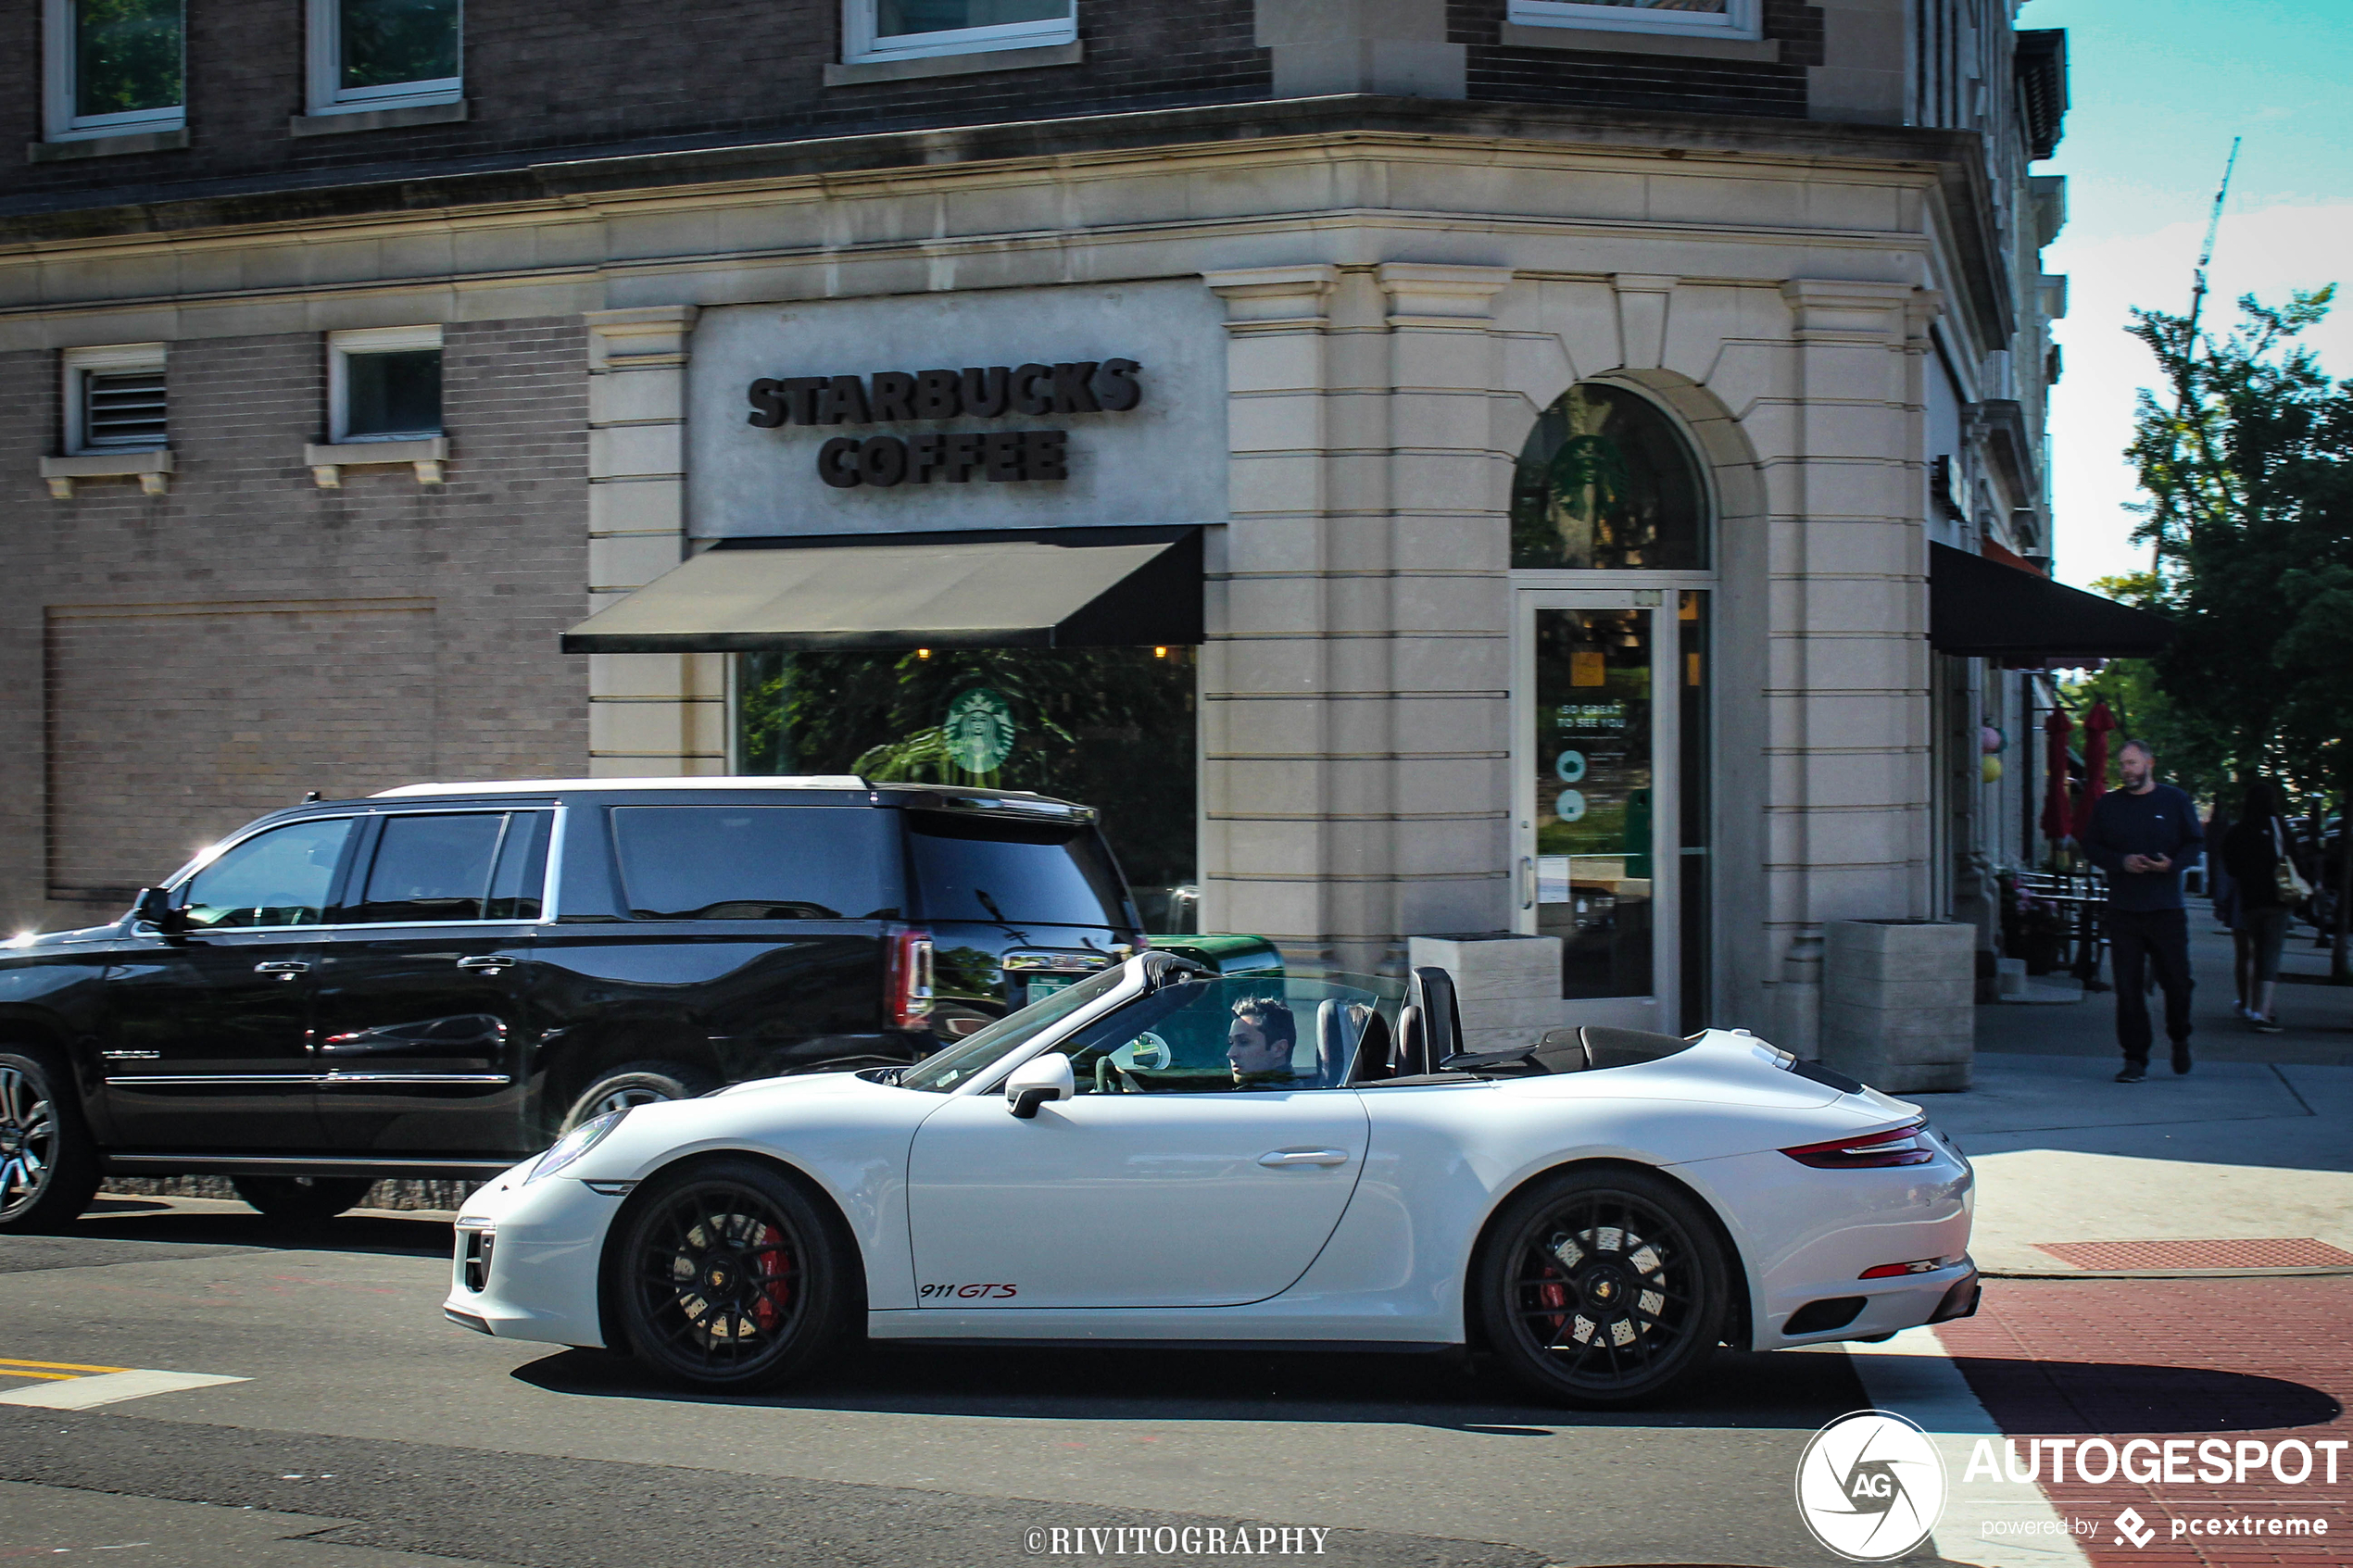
(650,714)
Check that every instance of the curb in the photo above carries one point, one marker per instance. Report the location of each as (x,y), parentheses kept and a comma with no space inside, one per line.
(2315,1273)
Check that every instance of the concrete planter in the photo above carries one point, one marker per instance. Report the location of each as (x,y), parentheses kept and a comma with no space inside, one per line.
(1899,1003)
(1508,986)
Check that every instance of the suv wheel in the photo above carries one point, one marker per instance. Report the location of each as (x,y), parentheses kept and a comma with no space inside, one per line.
(48,1164)
(639,1082)
(302,1200)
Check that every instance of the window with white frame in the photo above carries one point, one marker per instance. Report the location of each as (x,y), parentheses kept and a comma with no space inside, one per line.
(1703,18)
(899,29)
(383,54)
(114,398)
(113,68)
(384,384)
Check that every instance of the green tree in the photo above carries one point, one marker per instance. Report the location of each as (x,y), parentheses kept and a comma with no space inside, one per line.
(2248,468)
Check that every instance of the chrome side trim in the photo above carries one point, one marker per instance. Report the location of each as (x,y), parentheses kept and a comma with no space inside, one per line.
(415,1078)
(360,1163)
(132,1055)
(223,1079)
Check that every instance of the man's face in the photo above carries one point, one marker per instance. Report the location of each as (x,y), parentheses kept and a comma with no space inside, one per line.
(2133,766)
(1252,1053)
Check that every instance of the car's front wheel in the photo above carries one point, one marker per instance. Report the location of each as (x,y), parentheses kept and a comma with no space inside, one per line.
(1604,1287)
(302,1200)
(727,1278)
(48,1164)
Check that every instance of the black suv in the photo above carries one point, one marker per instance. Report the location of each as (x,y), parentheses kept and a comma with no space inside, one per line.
(433,980)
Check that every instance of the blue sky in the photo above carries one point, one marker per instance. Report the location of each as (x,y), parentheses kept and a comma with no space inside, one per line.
(2159,87)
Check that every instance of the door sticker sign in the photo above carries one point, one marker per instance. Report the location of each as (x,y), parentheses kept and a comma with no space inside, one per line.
(1870,1486)
(1570,767)
(968,1292)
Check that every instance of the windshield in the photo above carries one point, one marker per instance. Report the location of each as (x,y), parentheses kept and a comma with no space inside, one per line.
(975,1055)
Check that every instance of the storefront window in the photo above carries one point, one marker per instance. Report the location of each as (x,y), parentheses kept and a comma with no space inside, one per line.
(1606,482)
(1111,728)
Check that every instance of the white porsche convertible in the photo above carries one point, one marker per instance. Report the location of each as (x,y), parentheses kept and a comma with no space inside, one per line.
(1159,1156)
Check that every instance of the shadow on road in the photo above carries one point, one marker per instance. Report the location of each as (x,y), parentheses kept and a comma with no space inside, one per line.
(1792,1392)
(156,1219)
(2103,1398)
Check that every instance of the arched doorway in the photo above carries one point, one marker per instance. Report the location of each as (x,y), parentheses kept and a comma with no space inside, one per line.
(1613,573)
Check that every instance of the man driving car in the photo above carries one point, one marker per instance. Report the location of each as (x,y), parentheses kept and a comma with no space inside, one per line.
(1259,1044)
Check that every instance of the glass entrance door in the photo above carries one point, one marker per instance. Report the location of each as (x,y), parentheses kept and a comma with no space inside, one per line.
(1609,683)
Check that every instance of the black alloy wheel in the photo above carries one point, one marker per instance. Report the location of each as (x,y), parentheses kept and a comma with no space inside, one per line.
(302,1200)
(1604,1288)
(48,1165)
(639,1082)
(727,1278)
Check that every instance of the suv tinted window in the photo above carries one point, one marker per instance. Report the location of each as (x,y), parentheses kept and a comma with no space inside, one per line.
(755,862)
(1026,874)
(281,877)
(429,868)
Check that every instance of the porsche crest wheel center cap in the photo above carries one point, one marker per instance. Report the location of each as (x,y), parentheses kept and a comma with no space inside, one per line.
(717,1277)
(1604,1288)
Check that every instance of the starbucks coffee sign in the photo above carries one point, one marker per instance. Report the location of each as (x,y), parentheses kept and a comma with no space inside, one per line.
(952,457)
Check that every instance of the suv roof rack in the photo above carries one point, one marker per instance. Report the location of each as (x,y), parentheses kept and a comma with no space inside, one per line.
(552,786)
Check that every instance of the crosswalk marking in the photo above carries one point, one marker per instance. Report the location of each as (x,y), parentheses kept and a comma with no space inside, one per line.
(77,1393)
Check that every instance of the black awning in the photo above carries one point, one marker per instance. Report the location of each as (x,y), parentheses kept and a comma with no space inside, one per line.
(1057,588)
(1980,609)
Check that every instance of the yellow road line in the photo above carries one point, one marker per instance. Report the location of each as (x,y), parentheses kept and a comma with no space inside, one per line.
(45,1376)
(57,1366)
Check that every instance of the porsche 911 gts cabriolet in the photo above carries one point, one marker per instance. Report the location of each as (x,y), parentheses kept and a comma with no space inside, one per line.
(1159,1156)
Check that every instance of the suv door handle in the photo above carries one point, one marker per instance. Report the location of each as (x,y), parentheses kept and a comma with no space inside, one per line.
(282,966)
(1305,1157)
(490,962)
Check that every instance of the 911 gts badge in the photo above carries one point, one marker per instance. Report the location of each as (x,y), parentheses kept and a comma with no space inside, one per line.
(967,1292)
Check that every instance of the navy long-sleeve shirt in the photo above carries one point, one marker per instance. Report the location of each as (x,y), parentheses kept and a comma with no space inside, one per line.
(2162,822)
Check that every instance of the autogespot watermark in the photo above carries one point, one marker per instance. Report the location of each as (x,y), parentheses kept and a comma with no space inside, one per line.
(1870,1486)
(1174,1540)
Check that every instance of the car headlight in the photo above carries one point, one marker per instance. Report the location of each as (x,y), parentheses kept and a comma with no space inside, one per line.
(575,1144)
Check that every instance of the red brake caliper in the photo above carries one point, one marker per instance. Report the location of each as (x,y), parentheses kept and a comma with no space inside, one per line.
(1553,1291)
(775,1294)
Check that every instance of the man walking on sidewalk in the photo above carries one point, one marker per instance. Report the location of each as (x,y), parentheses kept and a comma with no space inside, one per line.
(2144,836)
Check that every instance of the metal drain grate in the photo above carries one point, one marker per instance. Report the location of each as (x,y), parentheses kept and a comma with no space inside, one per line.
(2263,1252)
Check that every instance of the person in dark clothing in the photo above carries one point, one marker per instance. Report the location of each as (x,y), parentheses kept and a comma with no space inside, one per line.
(2251,853)
(2144,834)
(2225,890)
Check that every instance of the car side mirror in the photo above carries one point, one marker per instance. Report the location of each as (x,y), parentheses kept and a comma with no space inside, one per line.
(153,907)
(1037,1081)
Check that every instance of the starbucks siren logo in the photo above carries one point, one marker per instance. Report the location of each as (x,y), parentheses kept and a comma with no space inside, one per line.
(979,730)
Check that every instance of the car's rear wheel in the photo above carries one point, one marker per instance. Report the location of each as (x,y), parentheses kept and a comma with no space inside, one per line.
(48,1164)
(302,1200)
(1604,1287)
(728,1278)
(638,1083)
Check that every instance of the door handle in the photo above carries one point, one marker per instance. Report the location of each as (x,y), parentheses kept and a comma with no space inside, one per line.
(282,966)
(1527,881)
(1305,1157)
(489,961)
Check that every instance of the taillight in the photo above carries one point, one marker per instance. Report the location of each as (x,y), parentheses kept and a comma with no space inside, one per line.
(907,979)
(1918,1266)
(1906,1145)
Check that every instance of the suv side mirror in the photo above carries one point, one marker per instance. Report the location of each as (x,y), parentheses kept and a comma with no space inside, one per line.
(1037,1081)
(153,907)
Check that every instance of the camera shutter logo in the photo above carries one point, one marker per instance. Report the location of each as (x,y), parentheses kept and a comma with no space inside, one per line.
(1870,1486)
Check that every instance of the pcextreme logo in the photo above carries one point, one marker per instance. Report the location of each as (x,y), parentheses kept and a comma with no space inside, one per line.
(1870,1486)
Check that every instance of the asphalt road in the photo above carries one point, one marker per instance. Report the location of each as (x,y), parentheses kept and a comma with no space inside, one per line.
(365,1430)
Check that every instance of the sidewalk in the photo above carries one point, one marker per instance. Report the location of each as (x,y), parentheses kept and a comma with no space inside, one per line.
(2252,1151)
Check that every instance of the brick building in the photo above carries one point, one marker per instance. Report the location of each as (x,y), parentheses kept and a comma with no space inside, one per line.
(383,391)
